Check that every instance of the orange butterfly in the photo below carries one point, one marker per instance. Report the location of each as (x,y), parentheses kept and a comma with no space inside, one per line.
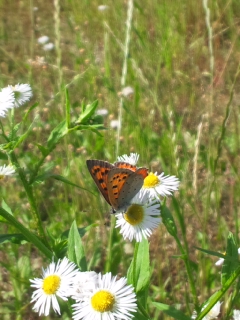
(118,182)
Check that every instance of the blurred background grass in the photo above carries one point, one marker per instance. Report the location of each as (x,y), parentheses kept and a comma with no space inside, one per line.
(173,120)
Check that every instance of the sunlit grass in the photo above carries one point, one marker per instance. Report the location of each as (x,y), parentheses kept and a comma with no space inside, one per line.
(166,121)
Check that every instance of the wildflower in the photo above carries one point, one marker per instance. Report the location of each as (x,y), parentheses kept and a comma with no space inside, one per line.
(102,7)
(132,159)
(127,92)
(102,112)
(221,260)
(160,185)
(6,171)
(114,124)
(236,314)
(141,217)
(48,46)
(6,100)
(43,39)
(111,299)
(212,314)
(83,283)
(56,281)
(22,93)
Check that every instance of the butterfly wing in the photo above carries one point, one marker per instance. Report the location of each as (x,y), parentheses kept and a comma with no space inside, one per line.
(123,185)
(99,171)
(142,171)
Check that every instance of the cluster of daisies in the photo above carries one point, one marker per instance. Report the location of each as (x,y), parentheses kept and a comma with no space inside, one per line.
(143,214)
(12,97)
(92,295)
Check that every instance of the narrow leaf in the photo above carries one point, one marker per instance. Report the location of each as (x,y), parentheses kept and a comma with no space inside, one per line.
(230,266)
(16,238)
(75,248)
(57,133)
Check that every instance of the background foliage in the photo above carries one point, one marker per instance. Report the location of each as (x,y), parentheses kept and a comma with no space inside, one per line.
(183,119)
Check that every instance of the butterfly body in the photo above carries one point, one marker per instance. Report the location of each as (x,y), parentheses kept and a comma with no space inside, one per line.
(118,182)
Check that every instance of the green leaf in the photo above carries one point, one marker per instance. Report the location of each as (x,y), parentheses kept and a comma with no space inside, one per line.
(16,238)
(6,207)
(29,110)
(44,150)
(87,113)
(3,156)
(57,133)
(229,266)
(168,221)
(212,253)
(139,270)
(171,311)
(75,248)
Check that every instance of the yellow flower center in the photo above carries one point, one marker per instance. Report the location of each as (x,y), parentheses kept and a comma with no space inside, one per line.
(51,284)
(151,181)
(103,301)
(134,214)
(1,176)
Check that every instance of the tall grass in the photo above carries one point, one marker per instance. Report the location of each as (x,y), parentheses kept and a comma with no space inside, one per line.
(182,60)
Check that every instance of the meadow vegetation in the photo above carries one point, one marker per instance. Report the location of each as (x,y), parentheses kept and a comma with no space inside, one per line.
(182,60)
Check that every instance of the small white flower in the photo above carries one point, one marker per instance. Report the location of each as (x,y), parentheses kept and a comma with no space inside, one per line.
(84,283)
(127,91)
(6,171)
(212,314)
(114,124)
(132,159)
(111,299)
(102,7)
(48,47)
(161,185)
(236,314)
(6,100)
(56,281)
(43,39)
(140,219)
(221,260)
(22,93)
(102,112)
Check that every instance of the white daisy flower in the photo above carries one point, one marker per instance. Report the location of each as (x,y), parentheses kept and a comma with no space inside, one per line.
(111,299)
(43,39)
(6,171)
(48,46)
(160,185)
(114,124)
(236,314)
(132,159)
(84,282)
(212,314)
(103,7)
(141,217)
(56,281)
(221,260)
(22,93)
(102,112)
(6,100)
(127,91)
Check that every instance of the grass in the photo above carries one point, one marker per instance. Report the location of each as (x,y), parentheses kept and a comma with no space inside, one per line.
(183,119)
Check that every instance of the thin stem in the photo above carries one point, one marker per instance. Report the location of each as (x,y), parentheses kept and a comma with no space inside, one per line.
(124,69)
(29,192)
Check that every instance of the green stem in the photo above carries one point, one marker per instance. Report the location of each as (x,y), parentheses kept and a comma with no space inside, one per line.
(29,192)
(32,238)
(218,295)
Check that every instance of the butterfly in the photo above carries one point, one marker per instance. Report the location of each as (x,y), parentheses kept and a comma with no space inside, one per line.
(118,182)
